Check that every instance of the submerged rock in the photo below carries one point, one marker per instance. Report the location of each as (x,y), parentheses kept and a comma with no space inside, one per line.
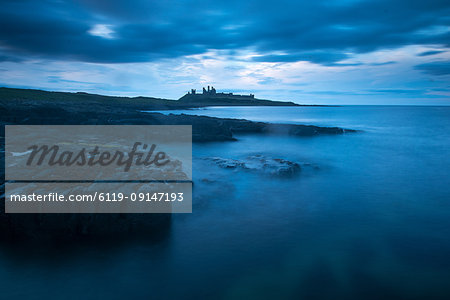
(273,166)
(227,163)
(261,164)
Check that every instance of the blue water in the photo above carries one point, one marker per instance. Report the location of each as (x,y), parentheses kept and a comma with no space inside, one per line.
(369,220)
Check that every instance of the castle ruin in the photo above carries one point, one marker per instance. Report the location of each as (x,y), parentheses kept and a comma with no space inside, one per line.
(211,92)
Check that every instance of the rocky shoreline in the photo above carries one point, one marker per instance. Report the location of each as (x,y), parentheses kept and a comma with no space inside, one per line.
(205,129)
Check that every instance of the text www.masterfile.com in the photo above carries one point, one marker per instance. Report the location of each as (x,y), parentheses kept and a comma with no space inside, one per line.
(96,196)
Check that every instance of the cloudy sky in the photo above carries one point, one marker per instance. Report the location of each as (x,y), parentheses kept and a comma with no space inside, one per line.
(325,52)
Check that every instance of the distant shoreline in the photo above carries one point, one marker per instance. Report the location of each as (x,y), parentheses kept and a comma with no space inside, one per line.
(140,102)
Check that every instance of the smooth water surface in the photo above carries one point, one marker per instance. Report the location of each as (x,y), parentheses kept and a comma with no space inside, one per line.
(368,217)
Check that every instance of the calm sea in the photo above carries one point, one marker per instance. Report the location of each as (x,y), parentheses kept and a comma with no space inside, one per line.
(368,217)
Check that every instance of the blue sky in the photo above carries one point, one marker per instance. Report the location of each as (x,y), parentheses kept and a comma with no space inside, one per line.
(324,52)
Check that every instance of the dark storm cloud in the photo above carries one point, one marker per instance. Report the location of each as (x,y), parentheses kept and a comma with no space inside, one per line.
(438,68)
(383,63)
(320,32)
(428,53)
(4,58)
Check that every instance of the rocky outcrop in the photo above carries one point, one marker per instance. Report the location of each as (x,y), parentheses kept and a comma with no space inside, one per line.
(260,164)
(208,129)
(204,129)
